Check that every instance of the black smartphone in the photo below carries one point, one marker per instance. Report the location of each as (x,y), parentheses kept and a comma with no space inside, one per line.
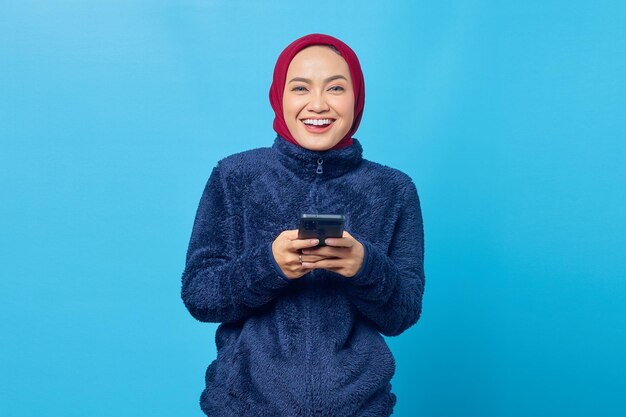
(320,226)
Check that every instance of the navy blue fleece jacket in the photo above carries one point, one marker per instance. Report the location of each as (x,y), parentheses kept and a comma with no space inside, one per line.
(310,346)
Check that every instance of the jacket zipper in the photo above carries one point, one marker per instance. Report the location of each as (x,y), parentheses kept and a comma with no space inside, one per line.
(312,386)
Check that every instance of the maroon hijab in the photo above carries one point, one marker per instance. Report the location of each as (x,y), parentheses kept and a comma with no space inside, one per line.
(280,74)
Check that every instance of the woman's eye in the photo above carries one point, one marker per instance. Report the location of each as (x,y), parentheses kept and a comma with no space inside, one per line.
(298,89)
(336,88)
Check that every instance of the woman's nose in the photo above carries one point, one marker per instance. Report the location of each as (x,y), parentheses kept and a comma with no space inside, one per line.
(318,103)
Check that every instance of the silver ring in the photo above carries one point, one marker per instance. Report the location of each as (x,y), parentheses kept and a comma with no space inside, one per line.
(300,257)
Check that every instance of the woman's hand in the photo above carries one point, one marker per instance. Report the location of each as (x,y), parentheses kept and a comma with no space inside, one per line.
(343,255)
(286,250)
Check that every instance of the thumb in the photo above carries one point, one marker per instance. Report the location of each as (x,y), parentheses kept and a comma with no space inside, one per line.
(291,234)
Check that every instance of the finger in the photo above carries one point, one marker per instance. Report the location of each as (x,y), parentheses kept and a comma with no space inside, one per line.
(298,244)
(326,251)
(291,234)
(339,242)
(328,263)
(315,258)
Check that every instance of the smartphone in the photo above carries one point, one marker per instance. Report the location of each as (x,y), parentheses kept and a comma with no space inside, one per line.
(320,226)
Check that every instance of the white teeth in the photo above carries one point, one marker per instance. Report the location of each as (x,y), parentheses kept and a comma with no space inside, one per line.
(317,122)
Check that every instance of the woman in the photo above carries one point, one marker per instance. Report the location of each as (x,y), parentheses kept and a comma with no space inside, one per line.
(301,324)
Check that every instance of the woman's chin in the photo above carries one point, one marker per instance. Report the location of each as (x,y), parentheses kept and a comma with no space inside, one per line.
(316,144)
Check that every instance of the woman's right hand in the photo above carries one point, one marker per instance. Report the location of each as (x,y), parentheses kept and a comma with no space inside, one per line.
(286,250)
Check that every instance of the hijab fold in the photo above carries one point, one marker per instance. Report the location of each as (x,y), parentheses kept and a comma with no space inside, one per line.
(280,74)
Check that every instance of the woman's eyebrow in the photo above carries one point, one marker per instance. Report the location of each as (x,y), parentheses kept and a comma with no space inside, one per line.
(331,78)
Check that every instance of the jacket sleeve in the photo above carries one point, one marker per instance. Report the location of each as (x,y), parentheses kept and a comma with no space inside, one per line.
(223,282)
(388,288)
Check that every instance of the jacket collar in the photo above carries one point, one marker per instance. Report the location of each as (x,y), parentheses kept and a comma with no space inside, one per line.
(311,164)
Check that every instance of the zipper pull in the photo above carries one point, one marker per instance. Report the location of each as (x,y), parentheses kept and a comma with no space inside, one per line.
(319,170)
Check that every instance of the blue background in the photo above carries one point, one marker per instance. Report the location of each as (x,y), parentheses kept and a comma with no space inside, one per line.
(510,117)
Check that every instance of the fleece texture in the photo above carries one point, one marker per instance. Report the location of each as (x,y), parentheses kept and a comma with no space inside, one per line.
(310,346)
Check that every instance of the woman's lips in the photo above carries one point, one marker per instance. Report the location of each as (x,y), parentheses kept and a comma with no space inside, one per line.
(317,129)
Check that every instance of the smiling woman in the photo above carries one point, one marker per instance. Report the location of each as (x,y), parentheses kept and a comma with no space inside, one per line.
(308,69)
(318,101)
(302,323)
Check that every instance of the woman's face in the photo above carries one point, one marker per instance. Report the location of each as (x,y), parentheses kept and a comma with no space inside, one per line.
(318,101)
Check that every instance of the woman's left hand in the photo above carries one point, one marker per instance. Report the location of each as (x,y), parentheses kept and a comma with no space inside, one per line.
(343,255)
